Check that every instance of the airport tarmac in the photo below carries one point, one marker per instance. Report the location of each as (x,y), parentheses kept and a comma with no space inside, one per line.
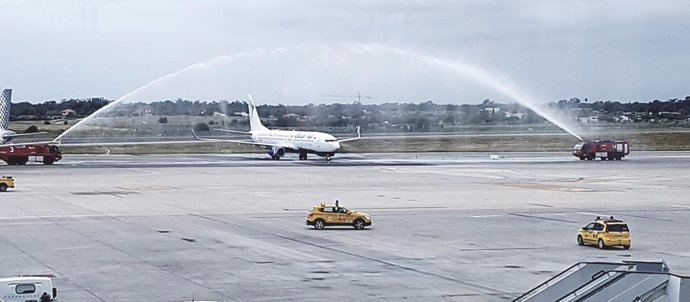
(446,226)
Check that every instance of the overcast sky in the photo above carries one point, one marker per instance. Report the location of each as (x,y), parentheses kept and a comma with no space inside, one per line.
(300,51)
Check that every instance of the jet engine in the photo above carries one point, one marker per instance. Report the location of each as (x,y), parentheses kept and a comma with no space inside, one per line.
(276,152)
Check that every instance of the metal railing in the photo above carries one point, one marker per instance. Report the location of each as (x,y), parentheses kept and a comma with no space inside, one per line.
(553,280)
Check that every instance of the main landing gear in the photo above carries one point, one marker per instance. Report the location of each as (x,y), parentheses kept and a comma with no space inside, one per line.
(303,156)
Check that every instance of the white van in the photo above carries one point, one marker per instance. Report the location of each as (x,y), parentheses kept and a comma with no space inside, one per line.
(26,289)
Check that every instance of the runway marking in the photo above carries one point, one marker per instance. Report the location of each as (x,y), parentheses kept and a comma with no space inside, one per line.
(338,250)
(98,215)
(44,263)
(148,188)
(460,295)
(624,213)
(111,193)
(453,172)
(484,216)
(542,205)
(144,170)
(680,206)
(548,187)
(572,180)
(646,217)
(588,213)
(608,178)
(544,218)
(80,247)
(407,208)
(503,249)
(121,250)
(226,187)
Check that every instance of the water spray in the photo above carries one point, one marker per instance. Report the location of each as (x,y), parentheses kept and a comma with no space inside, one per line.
(481,76)
(169,76)
(460,68)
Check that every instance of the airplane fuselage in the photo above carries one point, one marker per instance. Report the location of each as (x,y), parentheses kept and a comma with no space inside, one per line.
(298,141)
(279,142)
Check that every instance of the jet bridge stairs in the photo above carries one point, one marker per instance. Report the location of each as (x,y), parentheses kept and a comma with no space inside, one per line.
(626,281)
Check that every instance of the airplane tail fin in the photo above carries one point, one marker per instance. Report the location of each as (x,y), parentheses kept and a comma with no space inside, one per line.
(5,103)
(254,120)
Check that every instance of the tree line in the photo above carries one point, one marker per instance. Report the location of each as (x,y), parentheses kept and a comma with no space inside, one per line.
(45,110)
(425,116)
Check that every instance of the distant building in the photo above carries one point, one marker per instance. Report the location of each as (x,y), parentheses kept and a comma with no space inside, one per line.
(588,119)
(518,115)
(68,113)
(671,115)
(143,111)
(295,116)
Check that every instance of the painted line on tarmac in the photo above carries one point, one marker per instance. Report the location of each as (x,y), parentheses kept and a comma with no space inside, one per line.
(588,213)
(543,218)
(490,290)
(50,267)
(542,205)
(623,213)
(144,170)
(646,217)
(95,215)
(503,249)
(140,259)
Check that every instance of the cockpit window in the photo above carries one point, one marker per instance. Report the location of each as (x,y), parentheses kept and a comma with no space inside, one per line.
(331,140)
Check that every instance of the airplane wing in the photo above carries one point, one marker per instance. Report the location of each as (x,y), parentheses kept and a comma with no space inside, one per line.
(24,134)
(94,144)
(351,139)
(241,142)
(100,144)
(233,131)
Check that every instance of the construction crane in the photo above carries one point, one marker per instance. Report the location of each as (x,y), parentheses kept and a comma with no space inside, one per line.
(359,96)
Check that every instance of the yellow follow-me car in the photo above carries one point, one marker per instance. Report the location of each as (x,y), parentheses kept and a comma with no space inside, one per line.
(322,215)
(605,233)
(6,182)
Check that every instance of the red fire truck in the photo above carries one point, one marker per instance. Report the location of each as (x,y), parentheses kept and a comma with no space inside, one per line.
(19,154)
(604,149)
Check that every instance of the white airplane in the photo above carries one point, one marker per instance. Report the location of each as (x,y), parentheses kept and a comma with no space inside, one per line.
(279,142)
(7,135)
